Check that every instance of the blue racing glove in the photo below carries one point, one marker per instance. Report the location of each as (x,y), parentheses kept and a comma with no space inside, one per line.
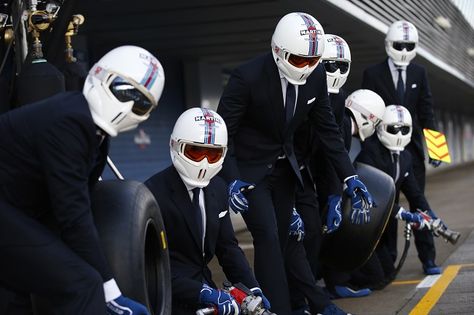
(237,201)
(258,292)
(125,306)
(419,222)
(431,214)
(225,303)
(361,200)
(434,163)
(296,226)
(433,219)
(334,217)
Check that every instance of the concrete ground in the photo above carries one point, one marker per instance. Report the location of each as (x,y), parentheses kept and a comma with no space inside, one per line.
(449,192)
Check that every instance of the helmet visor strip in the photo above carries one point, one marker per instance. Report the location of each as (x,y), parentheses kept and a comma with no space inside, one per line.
(366,114)
(197,153)
(125,91)
(409,46)
(301,62)
(394,129)
(331,66)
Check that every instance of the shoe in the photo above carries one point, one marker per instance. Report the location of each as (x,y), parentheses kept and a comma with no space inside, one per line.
(332,309)
(347,292)
(430,268)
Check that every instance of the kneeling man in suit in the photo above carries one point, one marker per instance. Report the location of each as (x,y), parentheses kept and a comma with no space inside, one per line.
(194,206)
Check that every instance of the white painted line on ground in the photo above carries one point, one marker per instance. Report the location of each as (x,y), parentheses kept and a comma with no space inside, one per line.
(428,281)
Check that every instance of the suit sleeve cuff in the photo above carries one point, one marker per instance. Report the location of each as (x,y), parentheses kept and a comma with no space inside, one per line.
(111,290)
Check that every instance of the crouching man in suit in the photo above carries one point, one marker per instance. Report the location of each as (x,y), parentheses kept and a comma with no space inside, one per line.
(194,205)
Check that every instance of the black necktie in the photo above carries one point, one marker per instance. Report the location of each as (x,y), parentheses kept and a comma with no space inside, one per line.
(400,86)
(197,210)
(396,167)
(290,102)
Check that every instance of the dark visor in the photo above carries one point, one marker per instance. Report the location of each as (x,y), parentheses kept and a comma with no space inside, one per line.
(400,45)
(198,153)
(332,66)
(300,62)
(394,129)
(126,92)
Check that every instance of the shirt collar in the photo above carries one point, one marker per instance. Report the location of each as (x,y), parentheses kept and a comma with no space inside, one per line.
(393,67)
(188,187)
(281,74)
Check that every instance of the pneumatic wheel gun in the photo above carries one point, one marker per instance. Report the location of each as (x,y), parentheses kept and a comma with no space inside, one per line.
(249,303)
(440,229)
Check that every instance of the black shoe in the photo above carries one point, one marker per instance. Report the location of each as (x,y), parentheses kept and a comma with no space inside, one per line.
(430,268)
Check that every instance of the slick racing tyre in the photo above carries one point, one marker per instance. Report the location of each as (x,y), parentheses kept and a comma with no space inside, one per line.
(131,229)
(351,245)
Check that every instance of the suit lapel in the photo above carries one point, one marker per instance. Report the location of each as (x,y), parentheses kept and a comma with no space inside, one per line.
(212,219)
(275,95)
(408,84)
(183,204)
(388,81)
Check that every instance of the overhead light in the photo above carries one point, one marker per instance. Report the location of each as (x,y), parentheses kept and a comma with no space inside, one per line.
(470,51)
(443,22)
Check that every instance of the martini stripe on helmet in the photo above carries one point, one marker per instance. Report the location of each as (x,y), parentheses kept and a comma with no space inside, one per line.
(400,114)
(312,33)
(150,75)
(406,31)
(210,126)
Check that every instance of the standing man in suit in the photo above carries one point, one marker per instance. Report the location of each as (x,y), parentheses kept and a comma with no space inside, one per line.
(194,206)
(52,153)
(387,153)
(399,81)
(364,110)
(265,101)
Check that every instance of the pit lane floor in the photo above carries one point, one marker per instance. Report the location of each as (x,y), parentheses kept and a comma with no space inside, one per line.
(450,192)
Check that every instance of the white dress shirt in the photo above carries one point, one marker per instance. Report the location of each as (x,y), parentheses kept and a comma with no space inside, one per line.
(394,73)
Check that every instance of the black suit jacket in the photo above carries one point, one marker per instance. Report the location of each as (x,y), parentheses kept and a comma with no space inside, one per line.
(188,263)
(252,107)
(49,151)
(322,168)
(417,100)
(376,154)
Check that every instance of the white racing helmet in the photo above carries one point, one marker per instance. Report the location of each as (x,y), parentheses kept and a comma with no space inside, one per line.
(337,61)
(123,87)
(401,42)
(367,109)
(198,145)
(297,46)
(395,129)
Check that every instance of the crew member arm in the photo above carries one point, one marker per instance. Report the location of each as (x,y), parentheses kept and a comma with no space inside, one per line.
(231,257)
(66,153)
(232,106)
(328,132)
(425,104)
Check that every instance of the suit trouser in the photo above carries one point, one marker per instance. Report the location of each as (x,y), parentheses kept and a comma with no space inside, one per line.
(307,205)
(424,241)
(35,261)
(268,220)
(302,257)
(301,280)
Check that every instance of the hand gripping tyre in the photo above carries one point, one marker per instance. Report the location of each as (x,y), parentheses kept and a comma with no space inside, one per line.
(351,245)
(131,229)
